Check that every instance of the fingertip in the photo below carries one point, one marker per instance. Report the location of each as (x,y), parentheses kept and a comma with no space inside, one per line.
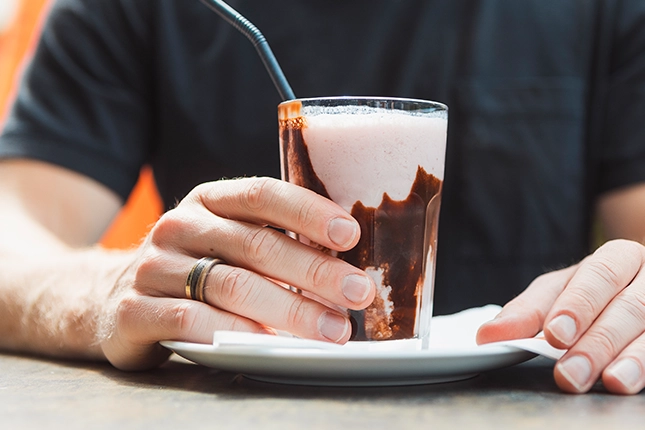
(561,331)
(343,232)
(505,327)
(564,385)
(491,331)
(485,334)
(573,374)
(624,377)
(359,290)
(334,327)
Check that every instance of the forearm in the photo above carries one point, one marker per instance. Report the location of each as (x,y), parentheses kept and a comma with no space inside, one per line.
(59,304)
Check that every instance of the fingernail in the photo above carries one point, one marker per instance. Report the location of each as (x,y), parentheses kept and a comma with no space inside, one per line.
(342,231)
(563,328)
(628,372)
(356,288)
(333,326)
(576,370)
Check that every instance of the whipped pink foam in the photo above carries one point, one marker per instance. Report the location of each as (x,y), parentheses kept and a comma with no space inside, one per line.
(361,153)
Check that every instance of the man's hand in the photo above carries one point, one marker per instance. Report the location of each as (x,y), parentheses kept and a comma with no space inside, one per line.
(596,309)
(227,220)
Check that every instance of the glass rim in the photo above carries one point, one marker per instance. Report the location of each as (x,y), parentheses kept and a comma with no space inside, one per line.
(347,99)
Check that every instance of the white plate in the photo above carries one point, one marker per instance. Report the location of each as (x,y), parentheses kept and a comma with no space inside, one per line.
(340,367)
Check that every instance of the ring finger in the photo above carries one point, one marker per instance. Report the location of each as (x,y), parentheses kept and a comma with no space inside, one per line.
(244,293)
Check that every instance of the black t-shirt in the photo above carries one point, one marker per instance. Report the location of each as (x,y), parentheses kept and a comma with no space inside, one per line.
(546,97)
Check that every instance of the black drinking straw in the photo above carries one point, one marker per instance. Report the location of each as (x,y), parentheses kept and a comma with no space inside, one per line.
(261,45)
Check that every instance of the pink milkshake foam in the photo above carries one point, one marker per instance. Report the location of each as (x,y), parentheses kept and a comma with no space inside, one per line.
(359,153)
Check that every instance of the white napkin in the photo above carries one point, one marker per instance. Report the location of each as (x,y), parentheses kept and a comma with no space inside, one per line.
(450,331)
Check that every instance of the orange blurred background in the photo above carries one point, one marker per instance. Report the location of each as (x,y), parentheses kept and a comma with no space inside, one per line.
(17,41)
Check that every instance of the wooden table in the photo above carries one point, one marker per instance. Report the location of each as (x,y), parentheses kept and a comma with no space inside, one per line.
(44,394)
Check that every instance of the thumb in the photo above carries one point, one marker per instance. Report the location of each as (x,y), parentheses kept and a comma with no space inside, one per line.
(524,316)
(511,323)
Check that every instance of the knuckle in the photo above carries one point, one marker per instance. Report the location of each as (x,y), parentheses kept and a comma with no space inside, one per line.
(236,289)
(584,304)
(260,245)
(633,307)
(606,271)
(306,214)
(167,227)
(148,267)
(198,193)
(297,313)
(127,311)
(318,272)
(184,317)
(626,246)
(202,188)
(258,193)
(603,342)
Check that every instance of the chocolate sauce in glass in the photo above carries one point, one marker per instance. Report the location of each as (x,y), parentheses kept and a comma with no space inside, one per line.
(394,240)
